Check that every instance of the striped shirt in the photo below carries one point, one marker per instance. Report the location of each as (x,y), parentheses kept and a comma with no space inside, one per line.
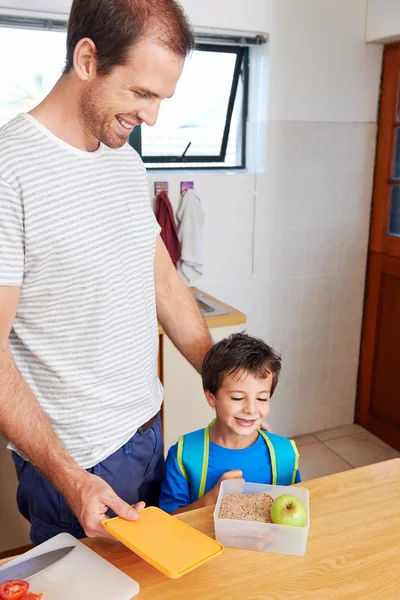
(77,234)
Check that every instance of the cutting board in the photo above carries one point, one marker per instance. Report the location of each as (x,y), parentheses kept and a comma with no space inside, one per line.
(81,575)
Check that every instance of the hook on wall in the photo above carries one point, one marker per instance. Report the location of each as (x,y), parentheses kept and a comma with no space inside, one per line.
(160,186)
(185,186)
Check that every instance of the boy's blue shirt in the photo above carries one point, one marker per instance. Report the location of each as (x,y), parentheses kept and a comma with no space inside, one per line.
(254,462)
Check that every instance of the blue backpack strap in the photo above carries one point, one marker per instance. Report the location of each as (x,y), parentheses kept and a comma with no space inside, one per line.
(192,456)
(284,458)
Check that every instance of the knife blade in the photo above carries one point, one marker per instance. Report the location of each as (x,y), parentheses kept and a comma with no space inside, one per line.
(32,566)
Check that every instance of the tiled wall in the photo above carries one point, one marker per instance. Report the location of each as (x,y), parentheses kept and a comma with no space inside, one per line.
(305,292)
(299,273)
(321,187)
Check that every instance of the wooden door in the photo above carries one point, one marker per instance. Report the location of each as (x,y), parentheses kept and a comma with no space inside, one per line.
(378,401)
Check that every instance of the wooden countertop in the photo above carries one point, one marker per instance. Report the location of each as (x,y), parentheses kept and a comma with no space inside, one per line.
(353,550)
(234,317)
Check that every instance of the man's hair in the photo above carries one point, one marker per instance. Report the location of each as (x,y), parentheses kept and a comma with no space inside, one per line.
(239,352)
(116,25)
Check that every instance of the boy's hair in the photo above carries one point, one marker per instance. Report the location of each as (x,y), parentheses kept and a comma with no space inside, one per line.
(239,352)
(116,25)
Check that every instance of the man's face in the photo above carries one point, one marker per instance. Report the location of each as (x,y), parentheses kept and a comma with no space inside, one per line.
(112,105)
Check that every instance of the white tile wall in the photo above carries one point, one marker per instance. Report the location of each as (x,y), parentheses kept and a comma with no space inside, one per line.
(321,250)
(322,200)
(304,292)
(315,343)
(313,385)
(288,252)
(342,383)
(352,245)
(338,414)
(349,294)
(318,295)
(345,339)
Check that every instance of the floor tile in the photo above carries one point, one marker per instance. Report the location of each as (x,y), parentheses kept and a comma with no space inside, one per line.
(305,440)
(338,432)
(362,449)
(316,460)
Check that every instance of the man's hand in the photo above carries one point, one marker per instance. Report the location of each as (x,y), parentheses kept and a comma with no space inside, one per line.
(212,495)
(266,426)
(91,497)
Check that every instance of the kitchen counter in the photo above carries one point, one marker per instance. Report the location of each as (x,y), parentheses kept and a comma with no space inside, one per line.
(353,550)
(233,316)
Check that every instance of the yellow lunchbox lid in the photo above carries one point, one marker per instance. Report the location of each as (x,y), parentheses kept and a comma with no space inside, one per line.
(165,542)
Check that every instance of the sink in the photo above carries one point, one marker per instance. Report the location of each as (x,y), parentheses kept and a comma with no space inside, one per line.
(207,307)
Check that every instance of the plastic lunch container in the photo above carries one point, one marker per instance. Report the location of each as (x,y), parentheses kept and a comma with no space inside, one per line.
(170,545)
(252,535)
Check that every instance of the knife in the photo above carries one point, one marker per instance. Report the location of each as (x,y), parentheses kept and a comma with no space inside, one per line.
(32,566)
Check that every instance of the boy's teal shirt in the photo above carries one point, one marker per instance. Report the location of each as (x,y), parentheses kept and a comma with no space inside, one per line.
(254,462)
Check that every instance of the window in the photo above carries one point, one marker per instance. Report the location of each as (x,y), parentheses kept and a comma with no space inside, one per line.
(27,76)
(202,126)
(204,123)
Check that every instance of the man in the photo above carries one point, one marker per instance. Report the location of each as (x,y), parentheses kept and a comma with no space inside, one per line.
(84,275)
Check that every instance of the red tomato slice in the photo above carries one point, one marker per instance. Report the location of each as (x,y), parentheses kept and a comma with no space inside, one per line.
(31,596)
(13,590)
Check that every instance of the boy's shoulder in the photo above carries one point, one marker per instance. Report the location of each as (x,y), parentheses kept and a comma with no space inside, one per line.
(195,433)
(274,436)
(279,443)
(191,436)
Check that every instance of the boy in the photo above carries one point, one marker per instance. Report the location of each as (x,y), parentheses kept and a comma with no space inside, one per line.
(240,374)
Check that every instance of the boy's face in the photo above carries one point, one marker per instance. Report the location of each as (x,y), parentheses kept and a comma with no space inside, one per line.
(242,402)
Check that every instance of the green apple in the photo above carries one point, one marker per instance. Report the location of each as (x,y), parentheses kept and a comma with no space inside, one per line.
(289,510)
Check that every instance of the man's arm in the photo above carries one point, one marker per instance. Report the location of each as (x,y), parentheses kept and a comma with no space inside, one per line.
(178,312)
(23,422)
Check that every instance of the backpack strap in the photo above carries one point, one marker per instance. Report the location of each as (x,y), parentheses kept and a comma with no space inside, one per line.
(296,461)
(284,458)
(179,457)
(271,455)
(192,456)
(193,452)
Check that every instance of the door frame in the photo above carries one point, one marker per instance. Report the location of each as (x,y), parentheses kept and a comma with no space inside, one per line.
(378,264)
(384,249)
(380,240)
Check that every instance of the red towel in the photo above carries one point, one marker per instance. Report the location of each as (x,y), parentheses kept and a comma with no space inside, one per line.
(169,233)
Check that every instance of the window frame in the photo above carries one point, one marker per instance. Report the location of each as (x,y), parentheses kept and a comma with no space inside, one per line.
(241,69)
(238,44)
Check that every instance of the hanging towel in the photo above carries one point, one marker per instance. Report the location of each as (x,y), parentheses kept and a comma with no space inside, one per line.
(190,217)
(169,233)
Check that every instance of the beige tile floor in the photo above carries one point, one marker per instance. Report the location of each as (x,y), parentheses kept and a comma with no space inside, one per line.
(340,449)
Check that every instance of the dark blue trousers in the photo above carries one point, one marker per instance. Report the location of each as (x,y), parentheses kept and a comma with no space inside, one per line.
(134,472)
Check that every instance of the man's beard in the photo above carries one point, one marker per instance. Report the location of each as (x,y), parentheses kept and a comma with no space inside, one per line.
(97,121)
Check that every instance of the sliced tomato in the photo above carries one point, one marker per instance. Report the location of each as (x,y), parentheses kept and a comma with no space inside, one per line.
(32,596)
(13,589)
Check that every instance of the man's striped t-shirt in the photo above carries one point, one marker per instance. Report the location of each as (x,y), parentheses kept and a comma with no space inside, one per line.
(78,235)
